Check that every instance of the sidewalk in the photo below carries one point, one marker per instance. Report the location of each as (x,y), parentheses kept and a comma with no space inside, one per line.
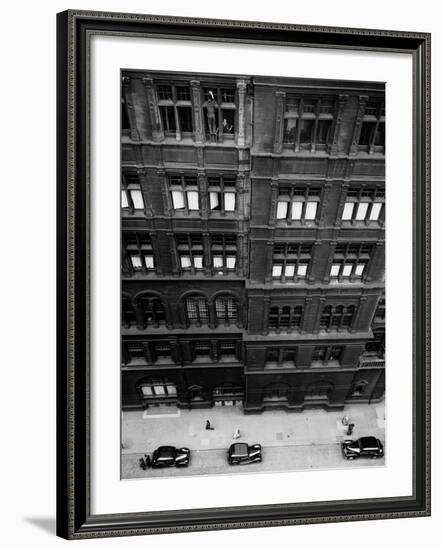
(142,433)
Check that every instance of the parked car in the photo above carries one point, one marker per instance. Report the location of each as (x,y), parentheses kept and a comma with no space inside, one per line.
(242,453)
(368,446)
(170,456)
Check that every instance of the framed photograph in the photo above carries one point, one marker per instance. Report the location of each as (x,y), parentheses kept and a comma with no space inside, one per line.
(243,274)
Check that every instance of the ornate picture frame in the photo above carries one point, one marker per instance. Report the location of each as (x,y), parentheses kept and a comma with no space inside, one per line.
(75,517)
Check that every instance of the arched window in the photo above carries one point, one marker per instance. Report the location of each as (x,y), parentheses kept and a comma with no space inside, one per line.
(152,310)
(197,309)
(226,308)
(336,317)
(127,312)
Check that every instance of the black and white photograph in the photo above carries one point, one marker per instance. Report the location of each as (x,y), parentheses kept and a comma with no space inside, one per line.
(252,274)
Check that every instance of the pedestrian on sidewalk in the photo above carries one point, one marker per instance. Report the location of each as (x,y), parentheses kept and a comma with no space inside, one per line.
(208,426)
(237,434)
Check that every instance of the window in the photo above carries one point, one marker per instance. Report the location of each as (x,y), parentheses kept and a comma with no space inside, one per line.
(223,251)
(290,261)
(184,193)
(308,122)
(281,357)
(220,112)
(125,121)
(364,205)
(127,312)
(326,354)
(298,203)
(228,350)
(285,318)
(131,194)
(190,251)
(337,317)
(138,251)
(379,315)
(175,107)
(350,261)
(222,194)
(197,310)
(136,352)
(201,349)
(226,308)
(152,311)
(147,352)
(372,136)
(158,388)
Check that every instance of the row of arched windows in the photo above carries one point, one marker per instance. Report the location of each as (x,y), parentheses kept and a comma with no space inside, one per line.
(149,310)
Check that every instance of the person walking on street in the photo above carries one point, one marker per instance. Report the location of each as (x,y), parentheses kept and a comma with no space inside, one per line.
(237,434)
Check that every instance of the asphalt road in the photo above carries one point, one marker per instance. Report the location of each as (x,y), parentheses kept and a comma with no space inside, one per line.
(275,459)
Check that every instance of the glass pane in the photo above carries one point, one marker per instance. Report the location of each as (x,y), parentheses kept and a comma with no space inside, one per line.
(198,262)
(348,210)
(149,261)
(306,130)
(217,261)
(228,121)
(192,200)
(346,272)
(231,261)
(322,135)
(277,270)
(334,271)
(167,118)
(375,210)
(159,390)
(124,202)
(289,130)
(185,118)
(137,199)
(359,269)
(310,211)
(185,261)
(214,200)
(146,390)
(171,389)
(289,270)
(302,270)
(136,262)
(362,210)
(229,202)
(178,200)
(296,210)
(281,212)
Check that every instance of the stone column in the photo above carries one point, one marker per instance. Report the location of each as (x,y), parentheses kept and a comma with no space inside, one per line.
(241,136)
(334,148)
(279,122)
(358,125)
(198,115)
(127,93)
(157,127)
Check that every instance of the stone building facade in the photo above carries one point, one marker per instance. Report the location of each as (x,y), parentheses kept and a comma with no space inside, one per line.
(253,213)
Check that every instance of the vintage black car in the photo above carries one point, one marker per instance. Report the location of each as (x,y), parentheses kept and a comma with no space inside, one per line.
(242,453)
(369,447)
(170,456)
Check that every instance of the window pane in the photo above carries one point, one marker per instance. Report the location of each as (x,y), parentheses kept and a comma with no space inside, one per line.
(171,389)
(302,270)
(159,390)
(362,210)
(178,200)
(192,200)
(185,118)
(149,261)
(137,199)
(289,130)
(231,261)
(185,261)
(229,202)
(375,210)
(334,271)
(281,212)
(136,262)
(277,270)
(348,210)
(124,202)
(146,390)
(310,211)
(306,130)
(324,127)
(214,200)
(359,269)
(296,210)
(198,262)
(289,270)
(346,272)
(217,261)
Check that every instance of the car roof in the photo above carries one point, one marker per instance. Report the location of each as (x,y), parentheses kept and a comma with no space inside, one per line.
(240,449)
(165,450)
(369,442)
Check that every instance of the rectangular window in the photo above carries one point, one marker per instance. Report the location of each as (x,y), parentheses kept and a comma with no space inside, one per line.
(175,105)
(131,194)
(308,122)
(364,204)
(184,193)
(219,110)
(222,193)
(223,252)
(190,251)
(372,136)
(298,203)
(350,260)
(138,252)
(290,261)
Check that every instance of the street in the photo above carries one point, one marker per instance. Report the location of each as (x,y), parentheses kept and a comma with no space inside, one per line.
(302,441)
